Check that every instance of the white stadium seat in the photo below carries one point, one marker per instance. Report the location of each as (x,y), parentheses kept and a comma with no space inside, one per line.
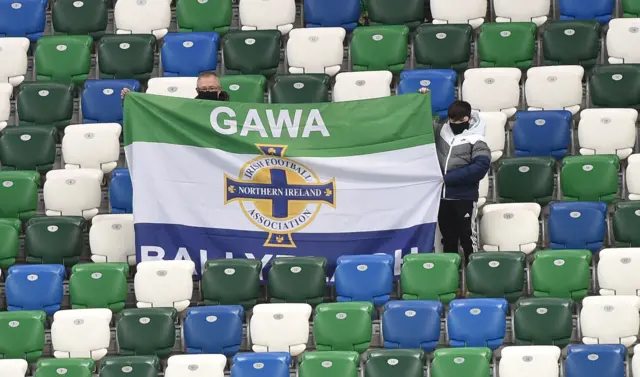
(112,239)
(510,227)
(81,333)
(483,191)
(632,176)
(610,320)
(182,87)
(5,103)
(607,131)
(529,361)
(554,88)
(492,89)
(522,10)
(470,12)
(142,17)
(635,361)
(13,368)
(315,50)
(206,365)
(494,133)
(164,284)
(73,192)
(91,146)
(13,55)
(280,328)
(267,15)
(353,86)
(622,39)
(618,271)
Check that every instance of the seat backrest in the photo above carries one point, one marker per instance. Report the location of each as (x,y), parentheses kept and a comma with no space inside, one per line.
(600,10)
(13,367)
(332,13)
(280,328)
(521,220)
(621,36)
(35,287)
(267,15)
(440,82)
(364,278)
(92,146)
(479,322)
(13,54)
(182,87)
(607,131)
(577,225)
(81,333)
(411,324)
(353,86)
(595,359)
(554,88)
(273,364)
(73,192)
(316,50)
(492,89)
(196,366)
(100,101)
(143,17)
(189,54)
(164,283)
(522,11)
(529,361)
(615,271)
(610,319)
(6,90)
(213,329)
(459,11)
(542,133)
(111,239)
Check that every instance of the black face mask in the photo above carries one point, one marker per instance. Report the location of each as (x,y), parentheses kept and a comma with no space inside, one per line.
(212,96)
(458,128)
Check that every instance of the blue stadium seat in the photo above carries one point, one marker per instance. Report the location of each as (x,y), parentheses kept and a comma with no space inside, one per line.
(441,83)
(214,329)
(332,13)
(411,324)
(23,18)
(101,102)
(35,287)
(261,364)
(477,322)
(600,10)
(121,191)
(189,54)
(597,360)
(577,225)
(364,278)
(542,133)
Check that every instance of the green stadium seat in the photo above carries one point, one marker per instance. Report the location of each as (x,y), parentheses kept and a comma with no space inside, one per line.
(507,44)
(496,275)
(255,52)
(28,148)
(443,46)
(329,364)
(468,362)
(626,223)
(571,43)
(45,103)
(22,334)
(631,8)
(543,321)
(387,12)
(204,15)
(99,285)
(130,366)
(400,362)
(297,280)
(300,88)
(147,331)
(590,178)
(244,88)
(126,56)
(440,270)
(231,282)
(616,85)
(19,194)
(54,240)
(379,48)
(526,179)
(10,245)
(63,58)
(80,17)
(343,326)
(561,273)
(70,367)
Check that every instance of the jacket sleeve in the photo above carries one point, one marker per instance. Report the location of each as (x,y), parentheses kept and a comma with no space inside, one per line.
(473,172)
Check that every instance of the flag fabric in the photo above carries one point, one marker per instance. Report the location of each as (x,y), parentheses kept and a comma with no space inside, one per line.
(237,180)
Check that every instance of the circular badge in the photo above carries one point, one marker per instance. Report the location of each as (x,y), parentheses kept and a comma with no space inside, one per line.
(52,228)
(428,266)
(145,320)
(78,4)
(608,308)
(505,33)
(569,32)
(489,81)
(88,135)
(558,262)
(587,167)
(124,46)
(116,226)
(616,77)
(32,277)
(258,365)
(141,2)
(593,357)
(211,318)
(229,271)
(326,364)
(458,360)
(441,35)
(392,362)
(14,324)
(494,264)
(61,371)
(61,47)
(127,369)
(70,182)
(96,275)
(298,85)
(527,359)
(43,93)
(552,79)
(362,267)
(341,315)
(234,87)
(107,91)
(637,212)
(78,322)
(541,310)
(193,367)
(508,216)
(605,120)
(25,137)
(313,39)
(425,82)
(187,44)
(523,169)
(16,5)
(172,89)
(475,311)
(278,316)
(249,41)
(575,214)
(360,82)
(377,37)
(540,122)
(7,184)
(410,313)
(162,273)
(625,260)
(295,269)
(633,30)
(203,1)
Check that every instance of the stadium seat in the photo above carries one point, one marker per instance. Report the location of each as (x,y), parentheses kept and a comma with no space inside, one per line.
(34,287)
(99,285)
(633,177)
(590,178)
(24,18)
(600,10)
(21,335)
(561,273)
(100,101)
(73,192)
(180,87)
(80,17)
(440,82)
(332,13)
(343,326)
(121,191)
(507,44)
(189,54)
(300,88)
(542,133)
(196,366)
(635,366)
(142,17)
(126,56)
(483,191)
(364,278)
(315,50)
(111,239)
(297,280)
(571,43)
(204,15)
(329,364)
(71,367)
(554,88)
(495,275)
(616,85)
(529,361)
(442,46)
(605,360)
(439,269)
(45,104)
(377,48)
(543,321)
(54,240)
(280,328)
(13,367)
(148,331)
(494,132)
(354,86)
(244,88)
(164,284)
(477,322)
(28,148)
(81,333)
(92,146)
(411,324)
(631,8)
(129,366)
(231,282)
(510,227)
(252,52)
(616,272)
(492,89)
(387,12)
(213,329)
(6,90)
(272,364)
(10,236)
(536,11)
(459,12)
(471,362)
(19,194)
(577,225)
(267,15)
(526,179)
(63,58)
(402,362)
(626,220)
(620,37)
(13,54)
(610,320)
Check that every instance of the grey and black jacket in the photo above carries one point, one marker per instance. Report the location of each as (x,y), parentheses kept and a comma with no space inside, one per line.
(464,159)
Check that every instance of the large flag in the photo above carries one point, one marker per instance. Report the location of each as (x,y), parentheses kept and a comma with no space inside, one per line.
(235,180)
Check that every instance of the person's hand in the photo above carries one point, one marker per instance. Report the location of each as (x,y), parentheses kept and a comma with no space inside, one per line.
(423,90)
(124,92)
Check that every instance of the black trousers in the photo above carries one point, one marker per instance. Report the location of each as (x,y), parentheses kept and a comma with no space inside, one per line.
(457,221)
